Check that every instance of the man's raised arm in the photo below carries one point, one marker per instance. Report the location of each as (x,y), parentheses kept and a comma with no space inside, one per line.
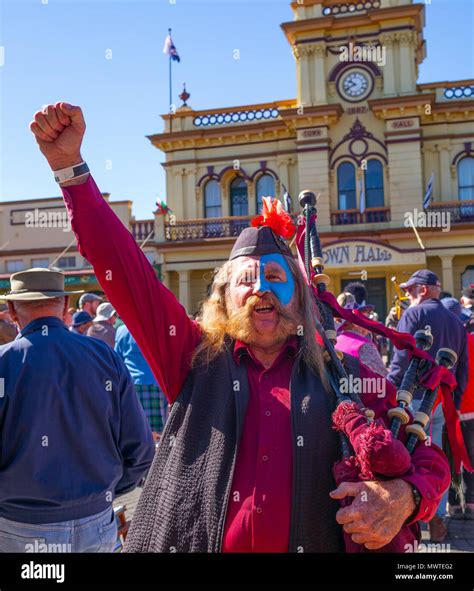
(158,322)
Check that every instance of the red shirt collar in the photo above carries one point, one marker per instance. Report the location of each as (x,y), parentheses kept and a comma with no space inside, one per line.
(241,349)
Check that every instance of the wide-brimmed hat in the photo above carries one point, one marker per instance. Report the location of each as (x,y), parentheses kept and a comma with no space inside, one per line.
(104,311)
(37,284)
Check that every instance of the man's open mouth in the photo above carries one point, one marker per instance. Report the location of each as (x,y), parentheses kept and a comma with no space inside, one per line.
(264,308)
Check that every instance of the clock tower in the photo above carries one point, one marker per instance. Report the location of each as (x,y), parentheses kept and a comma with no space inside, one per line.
(351,51)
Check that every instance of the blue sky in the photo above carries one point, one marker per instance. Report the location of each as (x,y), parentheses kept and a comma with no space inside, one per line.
(56,50)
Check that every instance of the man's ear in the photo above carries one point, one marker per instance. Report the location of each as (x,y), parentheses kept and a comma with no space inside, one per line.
(66,305)
(11,309)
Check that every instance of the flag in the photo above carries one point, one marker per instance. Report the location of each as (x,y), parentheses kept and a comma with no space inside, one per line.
(287,199)
(170,49)
(429,192)
(361,196)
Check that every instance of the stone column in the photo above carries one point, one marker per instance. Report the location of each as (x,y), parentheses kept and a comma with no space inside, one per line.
(159,228)
(301,54)
(406,53)
(283,173)
(178,205)
(190,206)
(445,173)
(319,83)
(185,289)
(447,280)
(389,85)
(252,197)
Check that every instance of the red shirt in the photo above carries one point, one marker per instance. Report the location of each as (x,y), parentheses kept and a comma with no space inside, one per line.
(167,338)
(258,513)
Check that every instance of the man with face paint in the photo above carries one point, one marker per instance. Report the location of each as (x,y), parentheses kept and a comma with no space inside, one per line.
(245,460)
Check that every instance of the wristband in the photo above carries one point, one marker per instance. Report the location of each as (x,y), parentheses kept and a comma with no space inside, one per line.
(417,501)
(70,173)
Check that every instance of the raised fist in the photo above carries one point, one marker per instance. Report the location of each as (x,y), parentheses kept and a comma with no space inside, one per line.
(59,130)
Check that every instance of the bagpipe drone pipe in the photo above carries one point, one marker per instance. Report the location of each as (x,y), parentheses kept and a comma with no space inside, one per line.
(371,448)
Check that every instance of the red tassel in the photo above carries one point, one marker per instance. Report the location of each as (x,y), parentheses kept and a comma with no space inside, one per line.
(274,216)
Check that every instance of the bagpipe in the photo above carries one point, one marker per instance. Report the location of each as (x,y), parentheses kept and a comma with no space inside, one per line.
(371,448)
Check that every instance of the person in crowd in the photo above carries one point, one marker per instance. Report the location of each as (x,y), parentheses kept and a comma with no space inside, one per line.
(81,322)
(68,316)
(229,474)
(457,509)
(426,309)
(88,302)
(467,300)
(152,399)
(7,329)
(103,324)
(73,434)
(354,340)
(358,290)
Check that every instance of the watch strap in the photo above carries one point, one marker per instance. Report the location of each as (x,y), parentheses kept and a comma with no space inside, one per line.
(417,500)
(71,172)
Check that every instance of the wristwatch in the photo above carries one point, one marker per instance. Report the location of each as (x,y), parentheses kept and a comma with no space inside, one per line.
(417,500)
(70,173)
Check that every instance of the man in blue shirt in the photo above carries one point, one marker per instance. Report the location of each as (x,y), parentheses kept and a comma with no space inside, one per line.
(423,289)
(72,432)
(152,399)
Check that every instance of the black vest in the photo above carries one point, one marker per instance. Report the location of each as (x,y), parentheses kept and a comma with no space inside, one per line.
(184,501)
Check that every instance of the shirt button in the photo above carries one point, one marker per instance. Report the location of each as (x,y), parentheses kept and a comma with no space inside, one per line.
(264,458)
(259,510)
(268,413)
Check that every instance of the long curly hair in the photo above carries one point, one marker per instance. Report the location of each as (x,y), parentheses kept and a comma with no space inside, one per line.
(213,318)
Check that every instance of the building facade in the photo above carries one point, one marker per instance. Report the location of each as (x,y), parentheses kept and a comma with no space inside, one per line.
(37,233)
(361,133)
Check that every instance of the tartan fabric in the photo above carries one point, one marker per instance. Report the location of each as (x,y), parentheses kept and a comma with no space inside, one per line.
(154,405)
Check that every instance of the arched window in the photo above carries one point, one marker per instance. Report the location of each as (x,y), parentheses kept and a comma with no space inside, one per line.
(466,185)
(212,200)
(346,186)
(238,197)
(265,188)
(466,179)
(374,196)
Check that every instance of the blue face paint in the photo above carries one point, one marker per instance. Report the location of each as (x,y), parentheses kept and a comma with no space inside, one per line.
(283,290)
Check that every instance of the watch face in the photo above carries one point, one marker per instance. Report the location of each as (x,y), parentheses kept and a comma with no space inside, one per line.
(355,85)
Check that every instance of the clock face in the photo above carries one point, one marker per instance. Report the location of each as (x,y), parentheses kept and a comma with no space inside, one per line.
(355,85)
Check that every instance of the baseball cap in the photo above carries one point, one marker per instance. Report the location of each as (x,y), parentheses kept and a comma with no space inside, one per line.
(422,277)
(468,292)
(81,318)
(89,297)
(104,312)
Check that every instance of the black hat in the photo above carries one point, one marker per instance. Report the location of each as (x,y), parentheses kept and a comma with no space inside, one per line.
(259,241)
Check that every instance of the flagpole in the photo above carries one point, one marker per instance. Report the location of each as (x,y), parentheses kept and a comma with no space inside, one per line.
(171,89)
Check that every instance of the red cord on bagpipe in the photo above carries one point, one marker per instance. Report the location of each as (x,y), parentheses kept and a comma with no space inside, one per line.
(436,377)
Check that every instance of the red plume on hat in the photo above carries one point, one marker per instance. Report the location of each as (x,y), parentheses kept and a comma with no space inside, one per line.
(274,216)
